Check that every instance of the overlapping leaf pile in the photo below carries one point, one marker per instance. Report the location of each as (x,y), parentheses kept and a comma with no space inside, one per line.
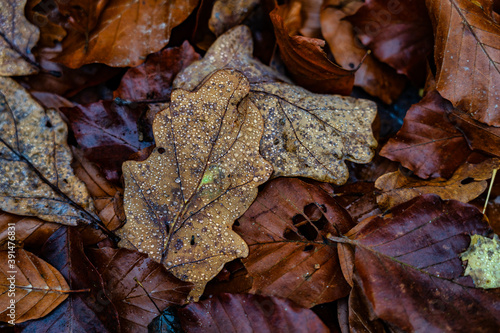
(150,155)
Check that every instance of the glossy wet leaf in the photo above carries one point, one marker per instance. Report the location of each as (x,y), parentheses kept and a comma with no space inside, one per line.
(408,267)
(467,52)
(467,183)
(39,287)
(17,37)
(483,261)
(36,178)
(203,174)
(284,229)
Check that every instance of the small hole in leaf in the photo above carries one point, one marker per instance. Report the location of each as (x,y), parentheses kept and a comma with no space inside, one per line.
(192,240)
(313,212)
(351,65)
(467,180)
(291,235)
(308,248)
(161,150)
(48,124)
(167,227)
(304,227)
(321,223)
(237,223)
(65,180)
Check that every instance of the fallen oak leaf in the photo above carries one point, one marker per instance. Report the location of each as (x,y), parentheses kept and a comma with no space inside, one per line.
(483,261)
(39,287)
(181,201)
(37,179)
(17,37)
(397,188)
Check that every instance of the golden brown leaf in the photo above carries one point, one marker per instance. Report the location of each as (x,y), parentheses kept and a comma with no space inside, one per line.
(306,134)
(39,287)
(468,182)
(467,53)
(50,32)
(83,15)
(17,38)
(229,13)
(202,175)
(126,32)
(36,178)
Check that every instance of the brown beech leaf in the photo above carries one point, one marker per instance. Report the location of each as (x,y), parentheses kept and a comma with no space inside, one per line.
(467,183)
(229,13)
(153,79)
(29,231)
(121,270)
(428,144)
(376,78)
(203,174)
(108,133)
(284,229)
(467,54)
(305,59)
(36,178)
(359,199)
(88,311)
(18,37)
(50,32)
(126,32)
(479,136)
(399,33)
(248,313)
(39,287)
(83,15)
(305,134)
(408,267)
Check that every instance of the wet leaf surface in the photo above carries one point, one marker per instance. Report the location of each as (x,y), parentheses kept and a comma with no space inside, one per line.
(202,175)
(248,313)
(17,37)
(39,287)
(284,229)
(229,13)
(483,261)
(466,184)
(120,270)
(37,178)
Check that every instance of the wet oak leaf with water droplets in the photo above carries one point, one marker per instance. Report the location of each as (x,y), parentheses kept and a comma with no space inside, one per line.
(17,37)
(203,174)
(36,178)
(483,261)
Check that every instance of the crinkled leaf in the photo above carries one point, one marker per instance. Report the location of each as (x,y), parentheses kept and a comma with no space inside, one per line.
(284,229)
(17,37)
(39,287)
(36,178)
(483,261)
(203,174)
(126,32)
(467,53)
(408,268)
(120,270)
(428,144)
(467,183)
(248,313)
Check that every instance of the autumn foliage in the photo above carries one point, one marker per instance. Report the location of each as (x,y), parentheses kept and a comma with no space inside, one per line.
(249,166)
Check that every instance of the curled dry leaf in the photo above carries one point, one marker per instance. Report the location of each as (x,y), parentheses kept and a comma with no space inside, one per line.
(29,231)
(483,261)
(36,178)
(305,134)
(229,13)
(306,61)
(126,32)
(248,313)
(39,287)
(467,53)
(428,144)
(122,270)
(284,229)
(408,268)
(82,15)
(18,37)
(467,183)
(203,174)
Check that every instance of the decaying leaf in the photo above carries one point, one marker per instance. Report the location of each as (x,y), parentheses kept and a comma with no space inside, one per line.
(122,270)
(17,37)
(38,287)
(467,53)
(50,32)
(203,174)
(36,176)
(229,13)
(468,182)
(483,261)
(284,229)
(126,32)
(408,268)
(305,134)
(248,313)
(82,15)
